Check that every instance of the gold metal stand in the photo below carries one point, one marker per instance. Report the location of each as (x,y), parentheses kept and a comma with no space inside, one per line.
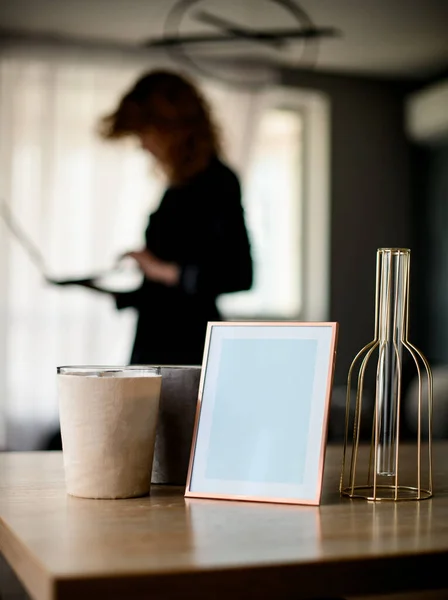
(377,476)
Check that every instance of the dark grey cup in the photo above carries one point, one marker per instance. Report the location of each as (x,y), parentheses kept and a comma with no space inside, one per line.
(177,411)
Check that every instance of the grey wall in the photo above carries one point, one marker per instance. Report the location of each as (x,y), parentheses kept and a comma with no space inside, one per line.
(430,203)
(370,195)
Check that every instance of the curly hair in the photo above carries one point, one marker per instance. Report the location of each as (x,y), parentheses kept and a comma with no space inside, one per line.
(175,107)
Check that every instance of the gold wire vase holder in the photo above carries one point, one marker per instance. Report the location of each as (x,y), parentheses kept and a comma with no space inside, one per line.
(377,475)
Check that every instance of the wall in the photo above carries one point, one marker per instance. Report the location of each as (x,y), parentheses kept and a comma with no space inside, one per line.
(430,206)
(370,195)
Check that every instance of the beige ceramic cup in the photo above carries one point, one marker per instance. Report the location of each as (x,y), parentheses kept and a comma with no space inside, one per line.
(108,419)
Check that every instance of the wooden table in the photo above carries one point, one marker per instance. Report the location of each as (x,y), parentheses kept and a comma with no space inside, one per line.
(166,547)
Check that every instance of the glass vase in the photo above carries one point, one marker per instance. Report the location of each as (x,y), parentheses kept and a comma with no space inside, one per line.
(379,478)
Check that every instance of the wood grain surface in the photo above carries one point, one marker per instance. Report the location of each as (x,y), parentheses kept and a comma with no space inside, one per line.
(165,546)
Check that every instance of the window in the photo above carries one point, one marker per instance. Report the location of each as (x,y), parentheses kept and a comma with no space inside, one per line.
(286,198)
(273,204)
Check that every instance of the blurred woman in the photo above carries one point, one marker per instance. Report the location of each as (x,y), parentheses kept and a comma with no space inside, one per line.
(196,243)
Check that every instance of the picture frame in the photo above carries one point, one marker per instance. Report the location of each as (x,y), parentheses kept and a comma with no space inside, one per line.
(262,413)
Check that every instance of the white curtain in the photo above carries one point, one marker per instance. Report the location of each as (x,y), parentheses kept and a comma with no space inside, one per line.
(83,202)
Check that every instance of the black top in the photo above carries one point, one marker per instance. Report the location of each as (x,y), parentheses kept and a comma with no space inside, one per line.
(199,226)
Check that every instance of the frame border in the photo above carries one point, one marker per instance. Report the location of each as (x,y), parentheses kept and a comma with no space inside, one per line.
(316,500)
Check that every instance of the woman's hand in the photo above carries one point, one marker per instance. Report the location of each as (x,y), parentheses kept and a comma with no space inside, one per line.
(155,269)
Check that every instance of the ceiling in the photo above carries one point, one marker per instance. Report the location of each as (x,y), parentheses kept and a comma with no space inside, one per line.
(393,38)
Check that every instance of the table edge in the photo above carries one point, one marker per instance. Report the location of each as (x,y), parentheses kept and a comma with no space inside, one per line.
(27,567)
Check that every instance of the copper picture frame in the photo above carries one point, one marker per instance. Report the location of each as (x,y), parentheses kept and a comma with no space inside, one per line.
(262,414)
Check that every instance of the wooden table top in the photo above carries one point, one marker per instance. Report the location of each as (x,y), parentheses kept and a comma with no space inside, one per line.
(164,546)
